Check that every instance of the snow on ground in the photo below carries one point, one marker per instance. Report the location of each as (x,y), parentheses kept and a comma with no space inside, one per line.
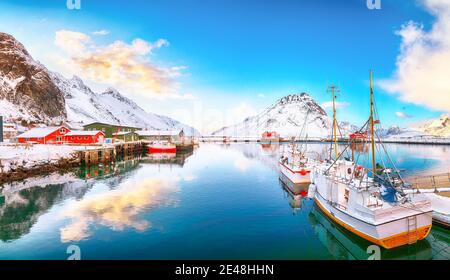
(32,155)
(9,110)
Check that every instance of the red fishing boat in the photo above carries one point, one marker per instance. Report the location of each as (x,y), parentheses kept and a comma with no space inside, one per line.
(162,147)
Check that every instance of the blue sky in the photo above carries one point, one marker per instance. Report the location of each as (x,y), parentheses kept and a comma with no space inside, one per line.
(237,57)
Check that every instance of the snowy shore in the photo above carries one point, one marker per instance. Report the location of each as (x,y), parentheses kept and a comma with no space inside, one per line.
(29,156)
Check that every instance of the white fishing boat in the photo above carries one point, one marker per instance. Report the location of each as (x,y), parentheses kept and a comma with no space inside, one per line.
(294,164)
(296,167)
(370,202)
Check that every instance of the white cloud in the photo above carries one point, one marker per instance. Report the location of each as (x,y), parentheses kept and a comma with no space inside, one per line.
(73,43)
(423,65)
(402,115)
(102,32)
(329,104)
(118,209)
(119,64)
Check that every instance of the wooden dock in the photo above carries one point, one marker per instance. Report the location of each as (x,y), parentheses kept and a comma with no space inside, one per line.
(436,188)
(108,153)
(436,183)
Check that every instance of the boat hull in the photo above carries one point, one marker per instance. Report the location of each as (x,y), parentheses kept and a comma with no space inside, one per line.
(296,177)
(387,235)
(162,150)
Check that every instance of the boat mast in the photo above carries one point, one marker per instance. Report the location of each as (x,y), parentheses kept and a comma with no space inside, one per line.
(334,90)
(372,124)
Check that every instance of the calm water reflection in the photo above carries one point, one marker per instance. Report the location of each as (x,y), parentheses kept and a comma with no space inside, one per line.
(204,205)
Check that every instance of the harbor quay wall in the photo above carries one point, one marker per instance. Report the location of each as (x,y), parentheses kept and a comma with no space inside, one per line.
(18,169)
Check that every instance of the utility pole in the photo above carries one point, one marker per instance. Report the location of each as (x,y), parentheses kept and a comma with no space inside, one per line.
(1,129)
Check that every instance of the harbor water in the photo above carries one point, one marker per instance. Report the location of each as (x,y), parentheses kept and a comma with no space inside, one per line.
(219,202)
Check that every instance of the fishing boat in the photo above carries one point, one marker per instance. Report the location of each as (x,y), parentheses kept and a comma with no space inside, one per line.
(296,167)
(371,203)
(343,244)
(294,164)
(162,147)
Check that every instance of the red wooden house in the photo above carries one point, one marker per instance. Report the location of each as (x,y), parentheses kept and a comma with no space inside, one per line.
(61,135)
(270,137)
(85,137)
(359,136)
(44,135)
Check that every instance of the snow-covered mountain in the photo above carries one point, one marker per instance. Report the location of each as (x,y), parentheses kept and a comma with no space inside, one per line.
(438,127)
(29,92)
(84,106)
(287,117)
(347,128)
(26,90)
(396,132)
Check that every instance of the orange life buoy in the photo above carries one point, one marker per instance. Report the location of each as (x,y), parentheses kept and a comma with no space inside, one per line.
(358,171)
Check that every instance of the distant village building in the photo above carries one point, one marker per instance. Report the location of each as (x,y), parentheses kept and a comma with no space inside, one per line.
(110,130)
(359,136)
(9,131)
(127,136)
(269,137)
(159,135)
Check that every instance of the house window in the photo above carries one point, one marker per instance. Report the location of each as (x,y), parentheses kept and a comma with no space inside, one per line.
(62,130)
(58,138)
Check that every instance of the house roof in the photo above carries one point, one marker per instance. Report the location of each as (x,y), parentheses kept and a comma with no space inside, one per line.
(110,124)
(157,132)
(38,132)
(84,133)
(125,133)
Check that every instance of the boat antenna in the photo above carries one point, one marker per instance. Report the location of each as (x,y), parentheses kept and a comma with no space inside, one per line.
(372,125)
(334,89)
